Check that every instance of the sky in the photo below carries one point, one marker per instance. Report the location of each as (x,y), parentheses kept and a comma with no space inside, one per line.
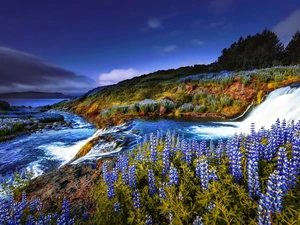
(74,46)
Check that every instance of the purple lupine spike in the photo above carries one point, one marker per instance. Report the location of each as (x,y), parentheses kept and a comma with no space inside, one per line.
(153,153)
(149,220)
(173,175)
(166,156)
(132,176)
(136,199)
(162,194)
(198,221)
(235,158)
(151,182)
(104,169)
(252,171)
(117,207)
(203,173)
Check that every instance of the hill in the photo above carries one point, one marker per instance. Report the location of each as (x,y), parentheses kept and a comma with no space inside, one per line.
(181,92)
(32,94)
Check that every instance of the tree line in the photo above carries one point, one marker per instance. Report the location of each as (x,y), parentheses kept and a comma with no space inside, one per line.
(259,51)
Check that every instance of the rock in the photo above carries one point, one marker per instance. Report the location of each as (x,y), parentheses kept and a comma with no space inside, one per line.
(162,110)
(4,105)
(55,124)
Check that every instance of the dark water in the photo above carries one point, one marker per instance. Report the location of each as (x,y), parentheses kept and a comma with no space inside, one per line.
(32,102)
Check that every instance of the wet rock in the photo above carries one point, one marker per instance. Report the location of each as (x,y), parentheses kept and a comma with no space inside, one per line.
(73,182)
(4,105)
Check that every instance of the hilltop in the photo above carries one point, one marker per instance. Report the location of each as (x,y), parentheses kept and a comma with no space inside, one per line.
(35,94)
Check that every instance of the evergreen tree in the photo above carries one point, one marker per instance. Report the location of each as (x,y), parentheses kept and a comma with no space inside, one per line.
(258,51)
(293,49)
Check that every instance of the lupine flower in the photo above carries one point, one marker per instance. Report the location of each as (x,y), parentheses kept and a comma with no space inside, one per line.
(151,182)
(166,156)
(104,169)
(252,171)
(235,157)
(132,176)
(117,207)
(202,173)
(198,221)
(162,194)
(125,178)
(211,206)
(148,220)
(85,215)
(173,175)
(153,153)
(136,199)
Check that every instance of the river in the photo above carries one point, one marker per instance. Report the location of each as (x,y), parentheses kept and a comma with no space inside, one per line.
(48,150)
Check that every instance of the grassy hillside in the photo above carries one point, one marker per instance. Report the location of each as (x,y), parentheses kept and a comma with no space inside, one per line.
(187,91)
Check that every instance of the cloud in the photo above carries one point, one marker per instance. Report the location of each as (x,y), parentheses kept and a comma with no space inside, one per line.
(221,6)
(197,42)
(216,24)
(117,75)
(169,48)
(286,28)
(154,23)
(20,71)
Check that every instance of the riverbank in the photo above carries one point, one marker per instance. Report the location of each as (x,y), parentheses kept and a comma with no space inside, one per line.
(18,121)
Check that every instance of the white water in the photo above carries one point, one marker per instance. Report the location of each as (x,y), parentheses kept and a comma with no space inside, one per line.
(283,103)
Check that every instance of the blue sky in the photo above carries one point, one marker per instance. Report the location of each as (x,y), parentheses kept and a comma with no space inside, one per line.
(108,40)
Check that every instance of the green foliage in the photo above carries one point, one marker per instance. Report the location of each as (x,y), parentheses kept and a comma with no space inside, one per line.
(225,101)
(232,204)
(186,107)
(148,105)
(199,109)
(258,51)
(167,104)
(183,97)
(293,50)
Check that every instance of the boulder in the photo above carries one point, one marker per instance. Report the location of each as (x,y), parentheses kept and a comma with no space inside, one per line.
(4,105)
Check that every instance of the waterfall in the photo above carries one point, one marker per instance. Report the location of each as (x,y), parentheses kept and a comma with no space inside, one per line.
(283,103)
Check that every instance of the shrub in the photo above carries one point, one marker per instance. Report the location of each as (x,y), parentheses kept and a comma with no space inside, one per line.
(225,101)
(199,109)
(148,105)
(186,107)
(133,108)
(183,97)
(167,104)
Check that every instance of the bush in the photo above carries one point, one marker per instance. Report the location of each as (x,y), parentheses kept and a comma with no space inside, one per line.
(167,104)
(148,105)
(186,107)
(225,101)
(199,109)
(183,97)
(133,109)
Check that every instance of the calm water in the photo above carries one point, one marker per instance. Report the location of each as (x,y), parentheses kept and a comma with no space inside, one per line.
(32,102)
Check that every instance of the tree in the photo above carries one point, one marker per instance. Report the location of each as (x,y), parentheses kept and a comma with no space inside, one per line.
(261,50)
(293,49)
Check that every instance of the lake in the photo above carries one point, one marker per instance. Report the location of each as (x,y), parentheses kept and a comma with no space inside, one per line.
(33,102)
